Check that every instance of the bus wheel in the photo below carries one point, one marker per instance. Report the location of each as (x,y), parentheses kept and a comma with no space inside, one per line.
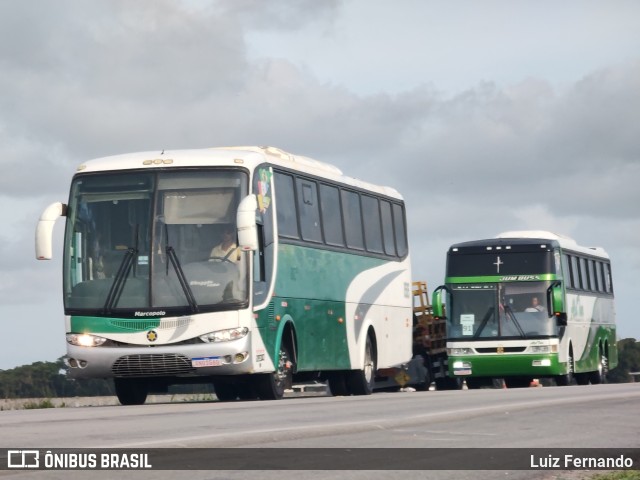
(582,378)
(131,391)
(600,375)
(449,383)
(517,382)
(338,384)
(246,391)
(567,378)
(474,383)
(271,386)
(225,391)
(360,382)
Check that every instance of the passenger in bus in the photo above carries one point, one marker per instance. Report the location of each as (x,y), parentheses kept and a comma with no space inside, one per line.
(535,306)
(104,263)
(226,249)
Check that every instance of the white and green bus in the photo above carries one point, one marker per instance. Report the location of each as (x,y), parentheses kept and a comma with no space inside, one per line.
(316,283)
(528,305)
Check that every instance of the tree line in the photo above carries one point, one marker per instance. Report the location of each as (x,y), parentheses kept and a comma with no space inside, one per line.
(628,361)
(51,379)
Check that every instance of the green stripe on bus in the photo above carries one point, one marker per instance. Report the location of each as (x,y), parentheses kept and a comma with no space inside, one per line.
(81,324)
(503,278)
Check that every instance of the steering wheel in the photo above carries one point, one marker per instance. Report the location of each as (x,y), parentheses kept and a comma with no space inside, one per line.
(220,259)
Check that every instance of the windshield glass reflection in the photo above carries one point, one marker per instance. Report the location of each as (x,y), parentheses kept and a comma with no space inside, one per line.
(508,310)
(154,240)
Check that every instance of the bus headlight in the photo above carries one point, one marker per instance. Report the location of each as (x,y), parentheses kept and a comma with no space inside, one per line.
(225,335)
(461,365)
(460,351)
(85,340)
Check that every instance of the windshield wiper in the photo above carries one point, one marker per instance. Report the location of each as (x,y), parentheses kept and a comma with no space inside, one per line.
(509,312)
(484,322)
(188,293)
(115,292)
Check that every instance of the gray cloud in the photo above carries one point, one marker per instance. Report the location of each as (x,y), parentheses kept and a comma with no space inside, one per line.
(260,15)
(105,73)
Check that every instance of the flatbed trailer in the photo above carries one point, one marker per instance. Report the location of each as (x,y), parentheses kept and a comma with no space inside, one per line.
(429,362)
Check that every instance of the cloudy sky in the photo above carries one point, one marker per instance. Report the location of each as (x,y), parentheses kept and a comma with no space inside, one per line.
(488,116)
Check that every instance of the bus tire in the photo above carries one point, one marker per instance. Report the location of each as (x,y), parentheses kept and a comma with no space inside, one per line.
(567,378)
(225,391)
(517,382)
(449,383)
(338,384)
(131,391)
(246,391)
(271,386)
(582,378)
(441,383)
(361,382)
(474,383)
(600,375)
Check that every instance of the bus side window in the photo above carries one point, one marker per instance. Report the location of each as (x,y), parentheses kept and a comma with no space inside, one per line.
(331,215)
(352,219)
(575,273)
(567,273)
(584,273)
(286,205)
(387,228)
(400,228)
(592,275)
(607,278)
(372,225)
(308,210)
(599,284)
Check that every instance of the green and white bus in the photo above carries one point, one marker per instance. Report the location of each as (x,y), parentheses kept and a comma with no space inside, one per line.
(317,283)
(528,305)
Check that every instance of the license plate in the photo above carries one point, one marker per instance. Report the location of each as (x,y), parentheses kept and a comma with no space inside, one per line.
(206,362)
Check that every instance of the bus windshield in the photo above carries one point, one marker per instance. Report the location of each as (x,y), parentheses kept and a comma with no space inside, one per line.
(164,240)
(500,310)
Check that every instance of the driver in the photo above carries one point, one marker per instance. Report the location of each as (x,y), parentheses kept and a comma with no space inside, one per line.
(226,249)
(535,306)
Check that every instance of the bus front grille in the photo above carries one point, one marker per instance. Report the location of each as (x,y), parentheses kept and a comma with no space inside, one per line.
(503,350)
(152,365)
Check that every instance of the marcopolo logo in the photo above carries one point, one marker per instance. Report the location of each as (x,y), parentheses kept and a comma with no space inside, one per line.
(23,459)
(159,313)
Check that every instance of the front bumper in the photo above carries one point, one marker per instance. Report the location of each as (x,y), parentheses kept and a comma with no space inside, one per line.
(498,366)
(188,360)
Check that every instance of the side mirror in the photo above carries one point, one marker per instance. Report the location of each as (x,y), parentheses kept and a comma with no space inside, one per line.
(246,222)
(44,230)
(437,303)
(555,303)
